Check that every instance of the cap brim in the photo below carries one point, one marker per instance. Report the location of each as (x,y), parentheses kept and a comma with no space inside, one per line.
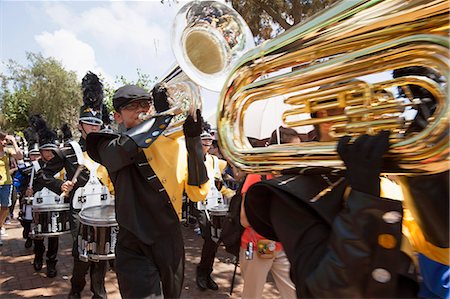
(91,121)
(48,146)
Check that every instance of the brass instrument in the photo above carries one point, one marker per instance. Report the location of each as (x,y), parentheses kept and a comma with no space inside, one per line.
(208,38)
(324,61)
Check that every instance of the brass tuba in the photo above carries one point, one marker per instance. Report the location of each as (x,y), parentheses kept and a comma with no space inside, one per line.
(323,63)
(208,38)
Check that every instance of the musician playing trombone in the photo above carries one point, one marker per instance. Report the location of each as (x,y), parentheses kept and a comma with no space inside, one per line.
(150,171)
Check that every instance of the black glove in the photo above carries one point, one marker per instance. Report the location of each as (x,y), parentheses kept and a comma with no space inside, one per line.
(160,102)
(192,128)
(363,160)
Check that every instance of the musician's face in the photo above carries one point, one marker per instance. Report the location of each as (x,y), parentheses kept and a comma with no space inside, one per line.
(128,115)
(325,127)
(206,145)
(34,157)
(85,129)
(47,155)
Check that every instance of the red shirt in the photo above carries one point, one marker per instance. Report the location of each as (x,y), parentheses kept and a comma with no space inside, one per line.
(249,233)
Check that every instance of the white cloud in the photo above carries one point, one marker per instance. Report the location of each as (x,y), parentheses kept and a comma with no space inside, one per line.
(74,54)
(138,31)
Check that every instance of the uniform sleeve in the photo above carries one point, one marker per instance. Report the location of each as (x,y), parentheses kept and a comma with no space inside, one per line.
(362,255)
(196,193)
(117,153)
(45,176)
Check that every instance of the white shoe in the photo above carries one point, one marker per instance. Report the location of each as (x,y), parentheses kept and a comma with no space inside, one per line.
(3,232)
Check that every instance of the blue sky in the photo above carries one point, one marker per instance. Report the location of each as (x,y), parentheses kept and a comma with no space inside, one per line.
(109,37)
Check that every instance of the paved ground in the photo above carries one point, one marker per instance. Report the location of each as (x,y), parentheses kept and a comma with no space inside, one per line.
(19,280)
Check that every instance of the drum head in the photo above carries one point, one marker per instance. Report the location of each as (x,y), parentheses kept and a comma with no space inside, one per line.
(51,207)
(104,215)
(220,210)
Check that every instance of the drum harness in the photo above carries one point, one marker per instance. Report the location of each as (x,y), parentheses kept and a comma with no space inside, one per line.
(213,194)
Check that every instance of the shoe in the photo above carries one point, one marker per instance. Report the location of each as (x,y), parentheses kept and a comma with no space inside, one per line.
(202,282)
(201,279)
(37,263)
(7,221)
(74,296)
(28,243)
(3,232)
(51,268)
(212,285)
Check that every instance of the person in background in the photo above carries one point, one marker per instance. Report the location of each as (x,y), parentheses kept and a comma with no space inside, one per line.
(47,144)
(5,176)
(219,194)
(258,255)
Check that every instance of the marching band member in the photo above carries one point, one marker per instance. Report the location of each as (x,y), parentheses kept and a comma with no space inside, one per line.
(150,171)
(69,157)
(427,199)
(216,196)
(341,238)
(47,147)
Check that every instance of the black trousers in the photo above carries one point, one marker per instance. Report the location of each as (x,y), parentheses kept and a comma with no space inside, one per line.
(52,250)
(80,268)
(210,247)
(144,270)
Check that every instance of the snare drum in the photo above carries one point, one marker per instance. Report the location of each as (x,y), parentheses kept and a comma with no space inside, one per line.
(50,220)
(97,235)
(217,215)
(46,197)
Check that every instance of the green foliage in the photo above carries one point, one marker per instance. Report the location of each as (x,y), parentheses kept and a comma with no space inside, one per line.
(43,87)
(268,18)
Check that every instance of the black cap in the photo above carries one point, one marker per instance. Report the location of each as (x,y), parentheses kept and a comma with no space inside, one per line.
(127,94)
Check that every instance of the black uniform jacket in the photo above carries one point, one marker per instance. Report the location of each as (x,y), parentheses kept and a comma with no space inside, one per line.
(338,245)
(143,206)
(65,158)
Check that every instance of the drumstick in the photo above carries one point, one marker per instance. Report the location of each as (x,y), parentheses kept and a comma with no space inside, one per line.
(74,180)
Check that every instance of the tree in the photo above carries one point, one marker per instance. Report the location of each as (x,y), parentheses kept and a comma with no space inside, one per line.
(44,87)
(268,18)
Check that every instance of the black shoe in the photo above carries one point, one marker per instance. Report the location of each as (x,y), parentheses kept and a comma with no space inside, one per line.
(212,285)
(51,269)
(28,243)
(37,263)
(202,282)
(74,296)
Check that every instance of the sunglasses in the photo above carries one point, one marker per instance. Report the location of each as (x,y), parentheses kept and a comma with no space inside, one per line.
(136,105)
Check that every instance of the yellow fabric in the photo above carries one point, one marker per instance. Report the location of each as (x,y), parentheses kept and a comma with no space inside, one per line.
(417,239)
(411,229)
(5,176)
(102,174)
(61,175)
(168,159)
(209,163)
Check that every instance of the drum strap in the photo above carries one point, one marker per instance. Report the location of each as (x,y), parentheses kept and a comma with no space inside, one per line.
(36,165)
(149,174)
(78,152)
